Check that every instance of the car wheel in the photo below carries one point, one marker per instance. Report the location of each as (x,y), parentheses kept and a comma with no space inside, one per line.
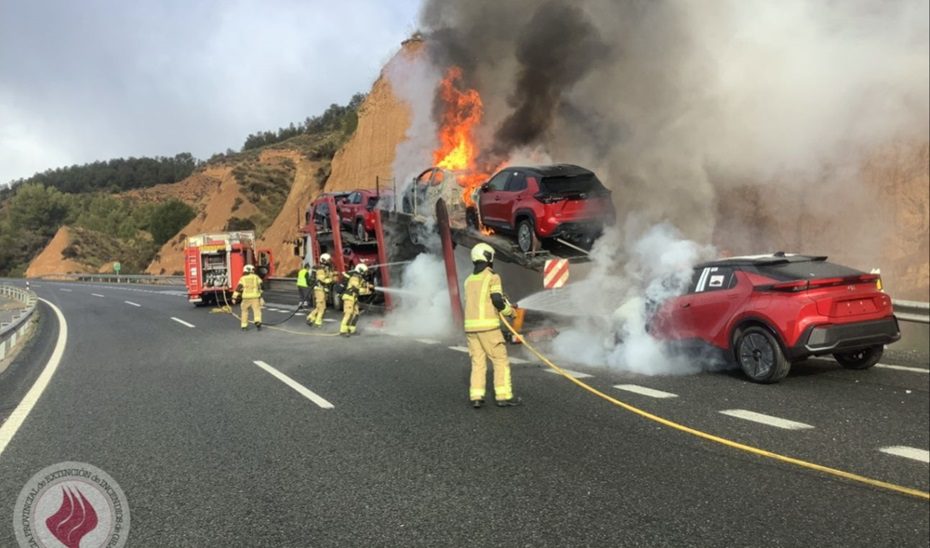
(760,356)
(860,359)
(526,236)
(360,233)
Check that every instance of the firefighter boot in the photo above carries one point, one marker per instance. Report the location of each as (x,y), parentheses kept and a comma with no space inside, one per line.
(258,326)
(512,402)
(476,404)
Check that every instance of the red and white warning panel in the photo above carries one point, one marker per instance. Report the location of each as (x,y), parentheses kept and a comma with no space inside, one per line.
(555,273)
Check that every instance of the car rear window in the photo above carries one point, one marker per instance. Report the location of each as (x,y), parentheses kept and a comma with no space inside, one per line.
(806,270)
(586,183)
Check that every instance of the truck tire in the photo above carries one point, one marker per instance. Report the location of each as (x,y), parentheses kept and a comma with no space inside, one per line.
(760,355)
(860,359)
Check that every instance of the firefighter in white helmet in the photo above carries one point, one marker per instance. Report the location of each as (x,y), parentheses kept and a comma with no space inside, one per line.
(249,293)
(321,280)
(356,286)
(484,300)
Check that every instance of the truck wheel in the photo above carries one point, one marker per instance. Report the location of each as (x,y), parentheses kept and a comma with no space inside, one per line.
(760,356)
(360,233)
(526,236)
(860,359)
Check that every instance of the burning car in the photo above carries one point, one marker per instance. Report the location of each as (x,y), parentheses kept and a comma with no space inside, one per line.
(765,312)
(534,204)
(420,197)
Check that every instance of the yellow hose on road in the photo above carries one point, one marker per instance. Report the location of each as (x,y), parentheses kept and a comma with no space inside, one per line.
(717,439)
(227,308)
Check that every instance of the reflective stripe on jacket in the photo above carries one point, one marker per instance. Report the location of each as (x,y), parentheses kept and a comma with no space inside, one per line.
(324,276)
(480,314)
(251,286)
(302,277)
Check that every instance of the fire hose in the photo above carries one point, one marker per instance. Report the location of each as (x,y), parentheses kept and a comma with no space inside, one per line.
(717,439)
(228,308)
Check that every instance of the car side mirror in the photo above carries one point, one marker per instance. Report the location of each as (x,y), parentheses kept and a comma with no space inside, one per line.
(485,187)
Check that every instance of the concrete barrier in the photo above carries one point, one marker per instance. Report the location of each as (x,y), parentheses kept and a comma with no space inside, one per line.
(14,331)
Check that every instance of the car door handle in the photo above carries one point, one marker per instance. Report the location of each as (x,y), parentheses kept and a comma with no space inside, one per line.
(685,305)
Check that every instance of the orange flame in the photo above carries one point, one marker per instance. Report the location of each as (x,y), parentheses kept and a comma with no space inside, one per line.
(462,111)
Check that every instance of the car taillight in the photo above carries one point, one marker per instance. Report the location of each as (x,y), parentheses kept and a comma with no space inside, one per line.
(869,278)
(785,287)
(826,282)
(548,198)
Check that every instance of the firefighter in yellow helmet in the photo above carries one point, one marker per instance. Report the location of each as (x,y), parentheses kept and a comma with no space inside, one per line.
(356,286)
(484,299)
(249,293)
(322,280)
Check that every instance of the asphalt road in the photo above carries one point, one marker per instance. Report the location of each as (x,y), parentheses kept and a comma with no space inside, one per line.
(213,450)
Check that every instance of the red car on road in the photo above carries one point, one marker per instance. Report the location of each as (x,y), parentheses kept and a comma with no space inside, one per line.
(766,312)
(545,202)
(356,211)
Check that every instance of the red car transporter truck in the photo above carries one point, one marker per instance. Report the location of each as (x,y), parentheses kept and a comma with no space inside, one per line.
(214,262)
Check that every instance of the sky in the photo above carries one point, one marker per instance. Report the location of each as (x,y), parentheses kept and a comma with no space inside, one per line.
(100,79)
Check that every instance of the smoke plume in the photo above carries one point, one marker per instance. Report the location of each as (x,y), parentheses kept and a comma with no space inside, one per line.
(745,123)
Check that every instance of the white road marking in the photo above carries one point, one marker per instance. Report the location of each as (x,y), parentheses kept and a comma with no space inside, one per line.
(130,303)
(12,424)
(459,349)
(182,322)
(329,320)
(65,290)
(97,295)
(765,419)
(428,341)
(575,374)
(651,392)
(520,360)
(907,452)
(903,368)
(301,389)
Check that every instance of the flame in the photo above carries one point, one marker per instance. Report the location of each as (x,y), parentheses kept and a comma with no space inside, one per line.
(458,151)
(74,519)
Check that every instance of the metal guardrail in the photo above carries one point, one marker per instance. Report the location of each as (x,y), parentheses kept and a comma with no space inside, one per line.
(912,311)
(121,279)
(15,330)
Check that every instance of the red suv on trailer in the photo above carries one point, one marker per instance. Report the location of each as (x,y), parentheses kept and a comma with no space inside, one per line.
(356,210)
(766,312)
(545,202)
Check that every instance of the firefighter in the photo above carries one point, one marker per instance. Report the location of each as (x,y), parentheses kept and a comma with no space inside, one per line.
(303,286)
(484,299)
(356,285)
(249,294)
(321,280)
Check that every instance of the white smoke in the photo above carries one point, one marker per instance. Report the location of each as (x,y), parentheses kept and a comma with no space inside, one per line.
(617,299)
(414,80)
(422,307)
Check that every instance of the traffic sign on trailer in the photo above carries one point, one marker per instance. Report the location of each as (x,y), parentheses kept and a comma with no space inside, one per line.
(555,273)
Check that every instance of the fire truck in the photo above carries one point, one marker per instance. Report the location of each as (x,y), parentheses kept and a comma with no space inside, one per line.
(214,262)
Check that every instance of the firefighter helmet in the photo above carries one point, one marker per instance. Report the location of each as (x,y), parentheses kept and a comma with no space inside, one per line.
(248,269)
(482,253)
(361,268)
(325,258)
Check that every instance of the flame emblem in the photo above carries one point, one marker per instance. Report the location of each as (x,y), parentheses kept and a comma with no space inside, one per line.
(74,519)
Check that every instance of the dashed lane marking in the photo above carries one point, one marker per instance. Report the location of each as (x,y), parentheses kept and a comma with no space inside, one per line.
(903,368)
(130,303)
(520,361)
(575,374)
(765,419)
(642,390)
(182,322)
(16,418)
(65,290)
(97,295)
(907,452)
(299,388)
(427,341)
(459,349)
